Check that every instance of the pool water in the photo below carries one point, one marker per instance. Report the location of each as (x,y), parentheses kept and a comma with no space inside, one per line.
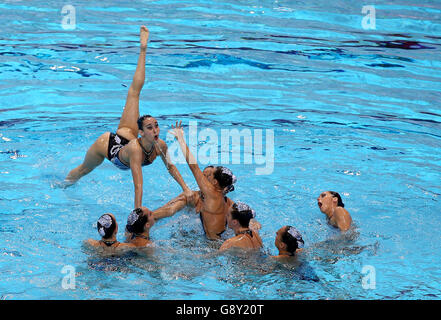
(353,110)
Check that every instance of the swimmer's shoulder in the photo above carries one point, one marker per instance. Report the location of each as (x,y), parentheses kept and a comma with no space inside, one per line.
(162,145)
(238,242)
(92,243)
(125,245)
(342,218)
(259,240)
(229,243)
(161,148)
(138,243)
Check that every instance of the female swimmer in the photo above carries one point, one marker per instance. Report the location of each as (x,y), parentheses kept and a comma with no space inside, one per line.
(210,202)
(138,227)
(108,229)
(332,206)
(289,242)
(238,218)
(124,148)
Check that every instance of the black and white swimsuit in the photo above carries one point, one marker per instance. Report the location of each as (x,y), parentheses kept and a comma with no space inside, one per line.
(116,142)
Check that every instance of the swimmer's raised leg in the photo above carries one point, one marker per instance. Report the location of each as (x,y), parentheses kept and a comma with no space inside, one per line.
(128,126)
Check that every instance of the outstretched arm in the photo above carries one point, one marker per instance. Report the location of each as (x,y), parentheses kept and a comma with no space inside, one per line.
(135,166)
(174,172)
(204,185)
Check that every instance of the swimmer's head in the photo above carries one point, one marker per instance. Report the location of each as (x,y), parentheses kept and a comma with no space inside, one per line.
(240,215)
(288,239)
(328,200)
(221,176)
(148,127)
(208,172)
(107,226)
(139,221)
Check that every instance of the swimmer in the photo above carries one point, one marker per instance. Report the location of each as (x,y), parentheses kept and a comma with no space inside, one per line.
(138,227)
(210,202)
(123,148)
(108,229)
(238,218)
(332,206)
(212,212)
(289,242)
(223,180)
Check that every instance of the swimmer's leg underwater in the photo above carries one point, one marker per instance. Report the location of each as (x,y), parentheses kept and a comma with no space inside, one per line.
(127,128)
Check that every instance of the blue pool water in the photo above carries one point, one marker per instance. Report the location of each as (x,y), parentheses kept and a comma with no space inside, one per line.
(353,110)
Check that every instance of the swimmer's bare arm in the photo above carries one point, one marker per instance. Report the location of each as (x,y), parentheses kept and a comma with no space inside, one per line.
(135,166)
(204,185)
(342,218)
(174,172)
(255,225)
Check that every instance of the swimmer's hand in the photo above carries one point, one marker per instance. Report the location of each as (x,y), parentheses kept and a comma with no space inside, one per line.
(189,196)
(255,225)
(177,131)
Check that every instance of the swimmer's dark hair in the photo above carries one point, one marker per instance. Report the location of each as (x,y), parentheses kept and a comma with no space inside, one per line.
(291,243)
(243,216)
(340,202)
(141,120)
(108,232)
(225,180)
(138,225)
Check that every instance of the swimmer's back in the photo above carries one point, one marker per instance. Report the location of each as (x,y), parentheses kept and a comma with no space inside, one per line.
(249,240)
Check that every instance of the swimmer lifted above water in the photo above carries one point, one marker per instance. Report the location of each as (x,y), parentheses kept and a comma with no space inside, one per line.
(125,149)
(332,206)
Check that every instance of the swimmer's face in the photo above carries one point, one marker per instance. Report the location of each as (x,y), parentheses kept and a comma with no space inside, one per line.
(278,241)
(150,129)
(209,174)
(150,219)
(326,201)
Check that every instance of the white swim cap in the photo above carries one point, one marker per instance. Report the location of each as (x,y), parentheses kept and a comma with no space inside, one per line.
(240,206)
(104,222)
